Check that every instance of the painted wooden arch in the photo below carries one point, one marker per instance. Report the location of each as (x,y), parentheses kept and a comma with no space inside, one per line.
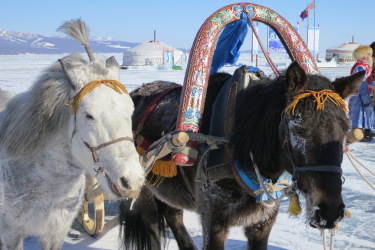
(198,70)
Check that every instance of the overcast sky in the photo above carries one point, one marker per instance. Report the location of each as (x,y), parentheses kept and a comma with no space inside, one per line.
(177,22)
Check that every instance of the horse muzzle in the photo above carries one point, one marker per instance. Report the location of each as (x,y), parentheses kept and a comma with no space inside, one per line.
(326,217)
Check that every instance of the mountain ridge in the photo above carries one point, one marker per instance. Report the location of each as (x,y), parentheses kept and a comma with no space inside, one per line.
(14,42)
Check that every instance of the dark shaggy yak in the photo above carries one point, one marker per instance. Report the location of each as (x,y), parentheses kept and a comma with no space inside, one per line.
(305,141)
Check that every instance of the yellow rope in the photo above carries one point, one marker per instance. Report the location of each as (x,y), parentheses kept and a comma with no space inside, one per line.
(113,84)
(320,98)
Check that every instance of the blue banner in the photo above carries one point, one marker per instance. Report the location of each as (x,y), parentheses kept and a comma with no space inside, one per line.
(274,43)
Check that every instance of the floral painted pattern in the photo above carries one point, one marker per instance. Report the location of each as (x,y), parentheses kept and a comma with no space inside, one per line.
(197,73)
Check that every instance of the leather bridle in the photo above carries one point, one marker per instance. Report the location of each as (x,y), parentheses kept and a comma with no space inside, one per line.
(297,169)
(116,86)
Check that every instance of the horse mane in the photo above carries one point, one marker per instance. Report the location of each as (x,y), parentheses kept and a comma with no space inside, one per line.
(30,118)
(257,120)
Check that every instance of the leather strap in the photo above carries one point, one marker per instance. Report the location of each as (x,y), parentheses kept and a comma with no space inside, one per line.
(93,149)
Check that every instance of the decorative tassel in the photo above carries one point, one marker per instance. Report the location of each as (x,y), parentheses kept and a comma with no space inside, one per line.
(165,168)
(294,205)
(162,168)
(140,150)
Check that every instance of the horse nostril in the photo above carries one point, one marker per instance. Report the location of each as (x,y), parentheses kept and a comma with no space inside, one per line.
(124,183)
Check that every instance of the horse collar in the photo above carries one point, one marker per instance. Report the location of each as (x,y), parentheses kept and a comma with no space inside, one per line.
(263,189)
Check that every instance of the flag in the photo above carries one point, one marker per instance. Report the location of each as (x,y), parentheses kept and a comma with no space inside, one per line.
(305,13)
(312,5)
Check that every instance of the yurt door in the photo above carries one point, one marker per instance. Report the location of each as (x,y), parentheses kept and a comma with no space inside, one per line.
(168,59)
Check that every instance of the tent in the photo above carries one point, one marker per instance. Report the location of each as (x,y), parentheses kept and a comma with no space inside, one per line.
(342,52)
(154,54)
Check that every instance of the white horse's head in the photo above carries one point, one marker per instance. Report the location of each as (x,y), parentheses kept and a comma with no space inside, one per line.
(101,124)
(95,129)
(101,127)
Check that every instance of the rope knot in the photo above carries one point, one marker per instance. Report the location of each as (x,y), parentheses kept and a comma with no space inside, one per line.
(273,187)
(320,98)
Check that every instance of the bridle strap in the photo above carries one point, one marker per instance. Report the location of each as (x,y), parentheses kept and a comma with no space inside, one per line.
(296,169)
(320,168)
(93,149)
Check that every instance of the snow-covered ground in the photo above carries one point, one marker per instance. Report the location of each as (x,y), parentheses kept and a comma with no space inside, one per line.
(18,72)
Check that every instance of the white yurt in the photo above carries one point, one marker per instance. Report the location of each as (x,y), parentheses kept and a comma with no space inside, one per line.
(154,54)
(343,52)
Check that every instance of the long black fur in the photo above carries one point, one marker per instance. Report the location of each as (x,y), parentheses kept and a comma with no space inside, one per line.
(135,232)
(257,122)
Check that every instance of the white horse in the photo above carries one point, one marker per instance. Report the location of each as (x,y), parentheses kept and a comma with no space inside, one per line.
(76,117)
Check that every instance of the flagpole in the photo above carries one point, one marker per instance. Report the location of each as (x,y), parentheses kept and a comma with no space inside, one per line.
(314,30)
(307,29)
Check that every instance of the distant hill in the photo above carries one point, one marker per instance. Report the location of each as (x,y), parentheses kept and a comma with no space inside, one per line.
(13,43)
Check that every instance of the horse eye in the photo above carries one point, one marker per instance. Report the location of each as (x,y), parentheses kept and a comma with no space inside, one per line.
(88,116)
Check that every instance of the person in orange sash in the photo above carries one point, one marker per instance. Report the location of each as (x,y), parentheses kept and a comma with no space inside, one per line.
(362,100)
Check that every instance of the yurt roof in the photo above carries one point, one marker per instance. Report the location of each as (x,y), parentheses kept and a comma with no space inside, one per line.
(152,46)
(345,47)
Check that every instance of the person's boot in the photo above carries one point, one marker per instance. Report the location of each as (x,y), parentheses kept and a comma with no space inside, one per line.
(367,135)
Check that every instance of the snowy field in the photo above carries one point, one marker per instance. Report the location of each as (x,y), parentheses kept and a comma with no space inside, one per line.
(18,72)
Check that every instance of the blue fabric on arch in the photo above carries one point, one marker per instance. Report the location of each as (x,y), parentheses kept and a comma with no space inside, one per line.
(229,44)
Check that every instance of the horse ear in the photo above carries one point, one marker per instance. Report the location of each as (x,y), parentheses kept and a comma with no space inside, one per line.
(64,67)
(76,70)
(112,63)
(346,86)
(296,78)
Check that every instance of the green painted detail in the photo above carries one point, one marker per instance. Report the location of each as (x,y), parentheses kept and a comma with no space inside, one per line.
(221,17)
(268,14)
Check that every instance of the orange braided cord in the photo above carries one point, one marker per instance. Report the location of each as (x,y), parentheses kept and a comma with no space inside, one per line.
(113,84)
(320,98)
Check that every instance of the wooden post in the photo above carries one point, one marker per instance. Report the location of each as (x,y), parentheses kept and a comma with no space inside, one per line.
(354,135)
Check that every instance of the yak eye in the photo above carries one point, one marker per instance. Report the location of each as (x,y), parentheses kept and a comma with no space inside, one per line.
(88,116)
